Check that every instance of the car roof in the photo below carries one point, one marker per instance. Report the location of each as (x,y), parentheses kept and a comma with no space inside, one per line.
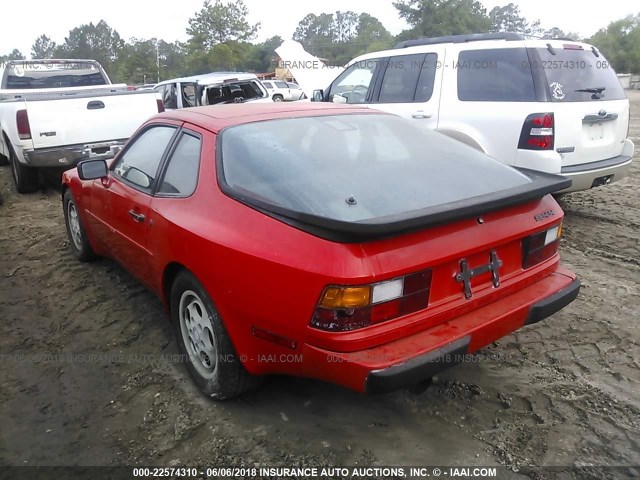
(217,117)
(407,48)
(212,77)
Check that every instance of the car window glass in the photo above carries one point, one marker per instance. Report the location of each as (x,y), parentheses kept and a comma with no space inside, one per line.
(281,85)
(401,79)
(387,165)
(352,86)
(188,94)
(267,84)
(181,176)
(495,75)
(169,96)
(578,76)
(139,163)
(427,78)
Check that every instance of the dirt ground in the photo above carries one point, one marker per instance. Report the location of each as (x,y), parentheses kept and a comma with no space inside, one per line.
(87,376)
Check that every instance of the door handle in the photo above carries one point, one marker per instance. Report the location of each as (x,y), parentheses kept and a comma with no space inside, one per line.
(138,217)
(421,115)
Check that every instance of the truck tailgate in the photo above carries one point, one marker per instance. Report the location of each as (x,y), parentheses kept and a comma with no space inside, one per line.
(67,120)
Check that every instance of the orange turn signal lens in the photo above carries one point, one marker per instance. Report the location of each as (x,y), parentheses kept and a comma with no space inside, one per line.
(346,297)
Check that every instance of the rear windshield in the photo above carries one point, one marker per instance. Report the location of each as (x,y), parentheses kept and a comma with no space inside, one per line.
(32,75)
(578,76)
(355,167)
(233,92)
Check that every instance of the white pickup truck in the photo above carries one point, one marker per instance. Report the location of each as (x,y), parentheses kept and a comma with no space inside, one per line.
(55,112)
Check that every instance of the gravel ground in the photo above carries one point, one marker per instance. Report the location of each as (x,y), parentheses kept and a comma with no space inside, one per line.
(96,385)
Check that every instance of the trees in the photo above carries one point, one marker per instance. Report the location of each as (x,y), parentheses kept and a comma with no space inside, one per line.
(219,23)
(14,55)
(435,18)
(620,43)
(508,19)
(43,47)
(98,42)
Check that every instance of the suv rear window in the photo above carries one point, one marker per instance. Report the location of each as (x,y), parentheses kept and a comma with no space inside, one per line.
(495,75)
(355,167)
(233,92)
(578,75)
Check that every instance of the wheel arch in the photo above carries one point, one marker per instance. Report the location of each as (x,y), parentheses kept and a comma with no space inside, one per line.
(169,274)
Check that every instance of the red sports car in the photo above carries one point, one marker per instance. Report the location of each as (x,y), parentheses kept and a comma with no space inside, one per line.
(326,241)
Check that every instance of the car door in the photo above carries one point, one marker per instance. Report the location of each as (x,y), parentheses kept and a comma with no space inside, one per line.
(355,84)
(120,202)
(408,86)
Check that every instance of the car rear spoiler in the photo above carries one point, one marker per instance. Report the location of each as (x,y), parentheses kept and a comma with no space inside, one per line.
(389,226)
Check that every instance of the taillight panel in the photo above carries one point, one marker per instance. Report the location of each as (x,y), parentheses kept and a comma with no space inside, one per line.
(347,308)
(22,123)
(538,132)
(541,246)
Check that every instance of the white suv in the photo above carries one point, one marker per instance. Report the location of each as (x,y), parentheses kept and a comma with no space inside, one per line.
(281,91)
(550,105)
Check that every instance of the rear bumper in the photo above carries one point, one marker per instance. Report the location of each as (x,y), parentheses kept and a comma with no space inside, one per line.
(415,358)
(70,155)
(588,175)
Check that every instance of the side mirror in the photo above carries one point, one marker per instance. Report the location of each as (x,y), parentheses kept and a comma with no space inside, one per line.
(92,169)
(318,96)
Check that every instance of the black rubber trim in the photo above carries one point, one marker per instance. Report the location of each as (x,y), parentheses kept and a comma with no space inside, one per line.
(553,303)
(473,37)
(417,369)
(587,167)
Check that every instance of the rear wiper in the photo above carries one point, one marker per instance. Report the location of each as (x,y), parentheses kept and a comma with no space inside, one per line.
(591,90)
(596,91)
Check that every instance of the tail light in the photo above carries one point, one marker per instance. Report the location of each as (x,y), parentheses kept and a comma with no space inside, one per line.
(541,246)
(22,122)
(160,105)
(131,88)
(345,308)
(537,132)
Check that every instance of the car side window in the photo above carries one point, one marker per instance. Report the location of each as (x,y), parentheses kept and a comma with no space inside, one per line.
(268,85)
(169,96)
(427,78)
(495,75)
(139,163)
(281,85)
(353,85)
(401,79)
(181,176)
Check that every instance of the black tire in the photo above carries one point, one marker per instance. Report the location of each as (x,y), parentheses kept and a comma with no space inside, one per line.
(227,377)
(77,237)
(278,98)
(25,178)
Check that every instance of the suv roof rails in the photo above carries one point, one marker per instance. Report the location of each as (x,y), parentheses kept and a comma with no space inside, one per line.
(473,37)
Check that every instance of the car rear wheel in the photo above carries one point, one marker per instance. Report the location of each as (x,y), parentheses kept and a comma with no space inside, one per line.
(25,178)
(212,361)
(278,98)
(75,229)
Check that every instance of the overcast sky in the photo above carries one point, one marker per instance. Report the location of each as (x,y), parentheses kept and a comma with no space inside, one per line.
(23,21)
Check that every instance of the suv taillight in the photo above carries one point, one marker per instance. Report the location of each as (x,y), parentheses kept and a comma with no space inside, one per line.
(160,105)
(345,308)
(541,246)
(537,132)
(22,122)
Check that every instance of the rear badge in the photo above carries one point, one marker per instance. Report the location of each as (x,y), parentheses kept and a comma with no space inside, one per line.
(467,274)
(541,216)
